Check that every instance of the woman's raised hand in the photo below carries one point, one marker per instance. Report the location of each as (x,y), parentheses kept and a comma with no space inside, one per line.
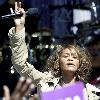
(19,20)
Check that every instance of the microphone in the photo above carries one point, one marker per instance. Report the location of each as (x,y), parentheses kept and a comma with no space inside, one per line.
(30,11)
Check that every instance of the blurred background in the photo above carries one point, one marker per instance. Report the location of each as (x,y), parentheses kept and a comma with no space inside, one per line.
(56,22)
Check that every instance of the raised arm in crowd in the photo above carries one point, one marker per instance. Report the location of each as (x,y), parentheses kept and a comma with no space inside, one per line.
(67,64)
(22,90)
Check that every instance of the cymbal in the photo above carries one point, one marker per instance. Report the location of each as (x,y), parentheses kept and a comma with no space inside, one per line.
(40,34)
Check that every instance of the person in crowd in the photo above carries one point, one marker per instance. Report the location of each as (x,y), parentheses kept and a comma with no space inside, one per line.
(68,64)
(22,90)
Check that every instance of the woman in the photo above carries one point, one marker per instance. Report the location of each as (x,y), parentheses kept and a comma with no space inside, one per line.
(68,64)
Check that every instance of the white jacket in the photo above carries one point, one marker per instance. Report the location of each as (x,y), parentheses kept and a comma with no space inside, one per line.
(19,60)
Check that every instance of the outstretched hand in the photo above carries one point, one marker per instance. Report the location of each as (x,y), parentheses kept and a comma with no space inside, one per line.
(23,88)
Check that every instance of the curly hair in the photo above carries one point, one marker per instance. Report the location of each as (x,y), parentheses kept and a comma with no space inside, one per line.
(83,71)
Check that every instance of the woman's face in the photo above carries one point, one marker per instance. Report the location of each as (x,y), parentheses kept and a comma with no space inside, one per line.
(69,60)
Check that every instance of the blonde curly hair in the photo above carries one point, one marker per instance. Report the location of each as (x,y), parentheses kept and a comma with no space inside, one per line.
(84,58)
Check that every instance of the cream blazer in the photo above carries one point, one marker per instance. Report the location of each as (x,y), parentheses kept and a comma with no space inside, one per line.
(42,80)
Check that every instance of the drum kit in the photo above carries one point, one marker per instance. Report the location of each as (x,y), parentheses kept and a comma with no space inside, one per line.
(42,40)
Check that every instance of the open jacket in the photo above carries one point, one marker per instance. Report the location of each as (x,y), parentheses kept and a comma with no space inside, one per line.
(19,60)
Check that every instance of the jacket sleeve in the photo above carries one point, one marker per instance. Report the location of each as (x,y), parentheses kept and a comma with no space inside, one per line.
(91,92)
(20,55)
